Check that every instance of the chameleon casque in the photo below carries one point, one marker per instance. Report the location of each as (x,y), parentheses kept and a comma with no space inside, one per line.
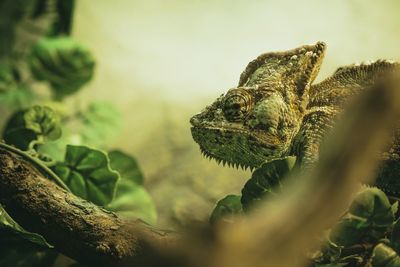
(277,111)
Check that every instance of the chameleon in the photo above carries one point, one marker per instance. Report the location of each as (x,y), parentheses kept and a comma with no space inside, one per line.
(277,110)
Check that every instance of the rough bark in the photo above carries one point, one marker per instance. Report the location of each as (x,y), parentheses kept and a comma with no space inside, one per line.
(77,228)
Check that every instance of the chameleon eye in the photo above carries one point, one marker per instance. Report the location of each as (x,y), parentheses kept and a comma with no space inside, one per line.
(237,104)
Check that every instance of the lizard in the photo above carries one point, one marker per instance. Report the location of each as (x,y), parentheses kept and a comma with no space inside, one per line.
(277,111)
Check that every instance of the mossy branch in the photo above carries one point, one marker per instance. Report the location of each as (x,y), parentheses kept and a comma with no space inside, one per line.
(77,228)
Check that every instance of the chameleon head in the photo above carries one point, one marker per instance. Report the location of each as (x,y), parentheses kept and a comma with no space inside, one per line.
(259,119)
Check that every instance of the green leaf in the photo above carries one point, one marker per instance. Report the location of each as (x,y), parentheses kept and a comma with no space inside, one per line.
(63,62)
(372,205)
(132,201)
(9,225)
(36,123)
(369,217)
(87,172)
(384,256)
(43,121)
(265,180)
(348,232)
(126,165)
(226,209)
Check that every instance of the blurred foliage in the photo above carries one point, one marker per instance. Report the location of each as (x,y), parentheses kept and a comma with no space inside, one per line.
(47,54)
(8,78)
(63,23)
(63,62)
(13,94)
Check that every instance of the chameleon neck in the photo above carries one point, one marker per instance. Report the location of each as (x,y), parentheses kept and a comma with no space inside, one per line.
(43,169)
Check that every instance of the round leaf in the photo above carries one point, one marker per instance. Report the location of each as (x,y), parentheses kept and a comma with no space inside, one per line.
(35,123)
(126,165)
(384,256)
(87,172)
(373,205)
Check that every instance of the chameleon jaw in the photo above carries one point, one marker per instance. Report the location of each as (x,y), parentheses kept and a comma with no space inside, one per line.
(233,148)
(224,162)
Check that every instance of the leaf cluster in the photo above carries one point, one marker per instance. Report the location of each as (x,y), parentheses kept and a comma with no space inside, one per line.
(67,144)
(367,235)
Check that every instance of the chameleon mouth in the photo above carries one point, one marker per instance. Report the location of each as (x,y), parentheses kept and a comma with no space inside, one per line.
(224,162)
(233,148)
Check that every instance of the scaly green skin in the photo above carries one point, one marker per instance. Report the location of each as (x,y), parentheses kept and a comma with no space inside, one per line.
(275,111)
(36,163)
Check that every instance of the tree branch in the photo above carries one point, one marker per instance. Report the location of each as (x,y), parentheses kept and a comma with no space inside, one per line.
(77,228)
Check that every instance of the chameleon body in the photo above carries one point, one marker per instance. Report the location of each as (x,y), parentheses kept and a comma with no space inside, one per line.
(277,111)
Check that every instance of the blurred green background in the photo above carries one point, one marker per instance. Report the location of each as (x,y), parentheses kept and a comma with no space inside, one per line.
(163,61)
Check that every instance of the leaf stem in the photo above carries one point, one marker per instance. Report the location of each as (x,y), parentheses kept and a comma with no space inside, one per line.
(37,163)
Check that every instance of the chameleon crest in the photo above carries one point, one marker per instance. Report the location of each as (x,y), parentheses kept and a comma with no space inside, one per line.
(276,111)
